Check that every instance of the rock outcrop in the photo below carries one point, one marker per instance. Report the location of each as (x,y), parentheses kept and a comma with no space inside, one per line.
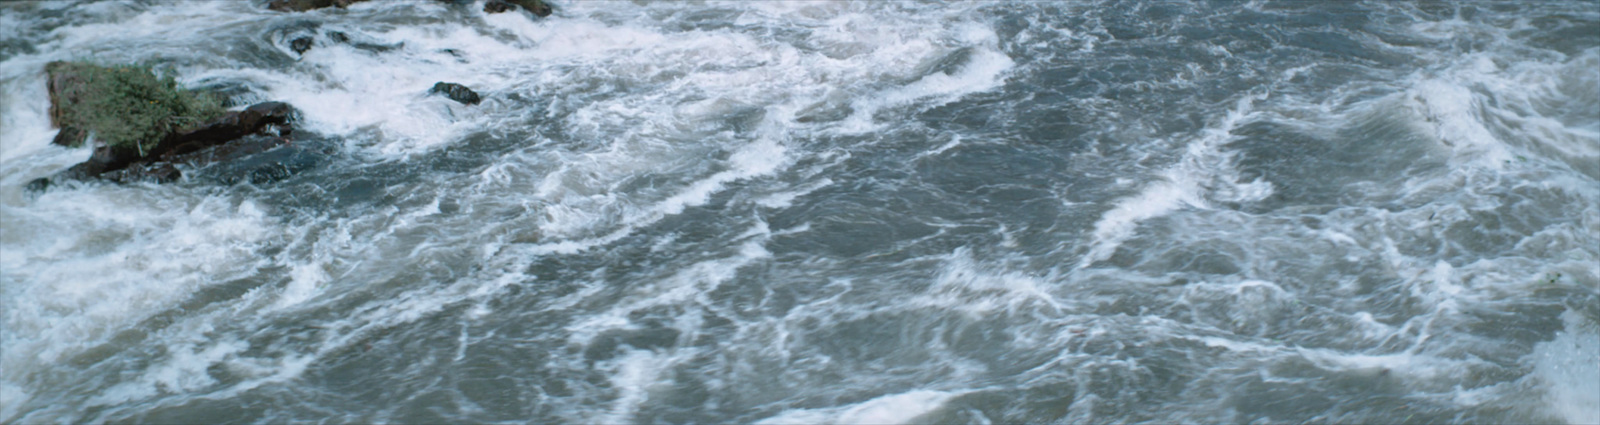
(122,105)
(233,136)
(138,139)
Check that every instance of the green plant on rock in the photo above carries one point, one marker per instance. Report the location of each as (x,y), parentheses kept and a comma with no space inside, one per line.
(127,105)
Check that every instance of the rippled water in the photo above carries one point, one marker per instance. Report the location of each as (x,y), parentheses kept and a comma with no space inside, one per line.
(828,212)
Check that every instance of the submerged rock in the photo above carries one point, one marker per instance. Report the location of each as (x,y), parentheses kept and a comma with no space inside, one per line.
(159,172)
(303,42)
(304,5)
(258,160)
(456,92)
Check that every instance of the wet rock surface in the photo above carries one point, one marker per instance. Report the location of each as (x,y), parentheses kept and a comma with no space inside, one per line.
(306,5)
(498,6)
(456,92)
(536,7)
(301,45)
(259,160)
(235,137)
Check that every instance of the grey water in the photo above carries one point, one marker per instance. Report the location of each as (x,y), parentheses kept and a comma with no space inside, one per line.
(800,212)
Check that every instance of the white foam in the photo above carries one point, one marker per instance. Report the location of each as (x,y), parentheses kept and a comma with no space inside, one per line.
(24,122)
(691,284)
(85,263)
(12,397)
(1568,367)
(985,70)
(128,253)
(889,409)
(1452,110)
(183,370)
(786,199)
(635,372)
(966,286)
(1203,171)
(303,282)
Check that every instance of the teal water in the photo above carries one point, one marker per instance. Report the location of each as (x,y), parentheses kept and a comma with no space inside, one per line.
(828,212)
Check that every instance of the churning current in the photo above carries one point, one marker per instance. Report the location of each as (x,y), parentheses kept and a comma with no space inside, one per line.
(802,212)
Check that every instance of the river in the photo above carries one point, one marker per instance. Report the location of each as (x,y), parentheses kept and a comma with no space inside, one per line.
(827,212)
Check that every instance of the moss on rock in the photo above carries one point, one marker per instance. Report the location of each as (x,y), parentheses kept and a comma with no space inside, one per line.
(125,106)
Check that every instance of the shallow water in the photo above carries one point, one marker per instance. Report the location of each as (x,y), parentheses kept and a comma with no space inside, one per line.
(828,212)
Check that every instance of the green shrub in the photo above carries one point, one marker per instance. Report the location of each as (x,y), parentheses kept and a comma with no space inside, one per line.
(127,105)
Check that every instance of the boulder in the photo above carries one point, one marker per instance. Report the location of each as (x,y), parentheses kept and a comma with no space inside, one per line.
(537,7)
(498,6)
(456,92)
(70,136)
(305,5)
(126,106)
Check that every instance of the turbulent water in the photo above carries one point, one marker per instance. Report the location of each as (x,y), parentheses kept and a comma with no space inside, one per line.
(828,212)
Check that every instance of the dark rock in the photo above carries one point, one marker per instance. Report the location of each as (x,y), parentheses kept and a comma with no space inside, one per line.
(38,185)
(237,149)
(376,48)
(230,126)
(456,92)
(338,37)
(70,136)
(537,7)
(233,136)
(305,5)
(104,159)
(257,159)
(159,172)
(498,6)
(300,45)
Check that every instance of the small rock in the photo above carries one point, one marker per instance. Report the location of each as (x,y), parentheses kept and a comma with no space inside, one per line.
(456,92)
(300,45)
(38,185)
